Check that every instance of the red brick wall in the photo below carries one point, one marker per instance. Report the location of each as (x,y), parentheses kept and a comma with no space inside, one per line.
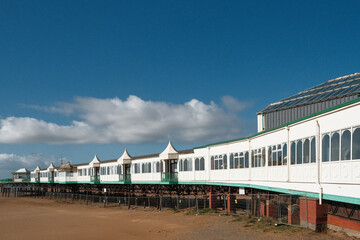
(342,222)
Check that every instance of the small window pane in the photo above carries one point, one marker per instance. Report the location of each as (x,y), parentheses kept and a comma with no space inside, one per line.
(307,151)
(356,144)
(293,153)
(345,145)
(299,152)
(335,146)
(313,150)
(285,154)
(325,148)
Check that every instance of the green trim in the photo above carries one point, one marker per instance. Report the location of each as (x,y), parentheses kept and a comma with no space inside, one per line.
(330,197)
(341,199)
(284,125)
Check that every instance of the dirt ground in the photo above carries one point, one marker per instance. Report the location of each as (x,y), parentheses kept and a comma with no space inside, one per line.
(30,218)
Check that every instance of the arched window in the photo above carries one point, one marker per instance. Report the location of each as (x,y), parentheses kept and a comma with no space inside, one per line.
(269,157)
(149,167)
(190,168)
(236,161)
(307,151)
(284,154)
(274,156)
(293,153)
(181,166)
(356,144)
(313,150)
(212,163)
(232,161)
(335,146)
(143,167)
(157,167)
(325,148)
(216,163)
(185,165)
(221,164)
(345,145)
(202,164)
(241,160)
(197,164)
(225,161)
(299,152)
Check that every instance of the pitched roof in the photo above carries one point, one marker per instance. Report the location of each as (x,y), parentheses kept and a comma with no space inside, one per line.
(169,153)
(335,88)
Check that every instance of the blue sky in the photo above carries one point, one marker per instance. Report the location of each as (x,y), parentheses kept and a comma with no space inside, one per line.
(80,78)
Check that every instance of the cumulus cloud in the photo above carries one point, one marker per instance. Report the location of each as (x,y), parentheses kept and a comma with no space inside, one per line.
(234,105)
(133,120)
(12,162)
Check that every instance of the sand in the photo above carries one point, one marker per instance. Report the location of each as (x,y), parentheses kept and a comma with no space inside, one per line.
(31,218)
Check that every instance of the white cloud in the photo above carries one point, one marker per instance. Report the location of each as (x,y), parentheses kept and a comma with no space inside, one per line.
(12,162)
(234,105)
(127,121)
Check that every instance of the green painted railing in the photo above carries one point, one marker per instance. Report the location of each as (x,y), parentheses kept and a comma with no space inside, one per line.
(169,177)
(125,178)
(50,179)
(95,179)
(7,180)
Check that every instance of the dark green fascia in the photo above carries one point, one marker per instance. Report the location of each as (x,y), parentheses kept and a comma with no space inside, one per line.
(284,125)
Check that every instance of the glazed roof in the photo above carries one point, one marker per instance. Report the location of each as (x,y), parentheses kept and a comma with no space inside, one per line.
(332,89)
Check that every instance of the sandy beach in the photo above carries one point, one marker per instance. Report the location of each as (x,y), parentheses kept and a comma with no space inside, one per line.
(31,218)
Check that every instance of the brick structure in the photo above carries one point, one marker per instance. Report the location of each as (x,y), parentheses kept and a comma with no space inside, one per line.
(351,227)
(294,214)
(312,214)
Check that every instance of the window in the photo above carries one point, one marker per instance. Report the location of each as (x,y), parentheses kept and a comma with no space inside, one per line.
(219,162)
(236,160)
(181,168)
(335,146)
(345,145)
(258,157)
(231,161)
(136,167)
(356,144)
(306,151)
(292,152)
(197,164)
(241,160)
(325,148)
(270,156)
(202,164)
(313,150)
(299,152)
(285,154)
